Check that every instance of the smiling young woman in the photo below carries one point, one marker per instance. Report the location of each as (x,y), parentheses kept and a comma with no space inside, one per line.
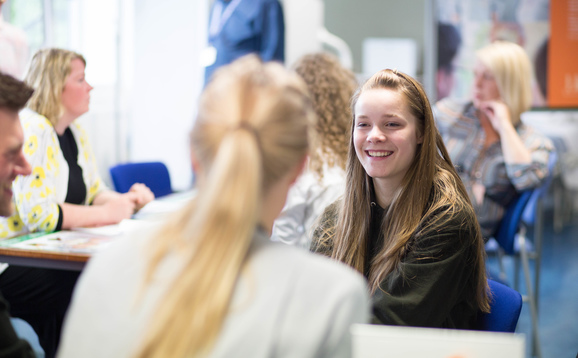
(405,220)
(385,136)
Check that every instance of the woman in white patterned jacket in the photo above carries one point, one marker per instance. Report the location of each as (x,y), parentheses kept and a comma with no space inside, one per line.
(63,191)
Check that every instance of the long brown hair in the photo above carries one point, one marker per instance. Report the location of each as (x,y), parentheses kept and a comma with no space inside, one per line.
(431,185)
(252,128)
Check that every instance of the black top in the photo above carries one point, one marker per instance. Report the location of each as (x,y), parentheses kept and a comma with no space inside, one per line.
(435,283)
(374,243)
(76,193)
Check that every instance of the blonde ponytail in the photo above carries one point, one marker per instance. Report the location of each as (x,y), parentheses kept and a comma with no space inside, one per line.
(252,128)
(225,217)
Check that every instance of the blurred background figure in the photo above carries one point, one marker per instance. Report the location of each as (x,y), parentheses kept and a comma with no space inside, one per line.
(240,27)
(13,48)
(211,282)
(63,192)
(496,154)
(331,87)
(449,41)
(13,96)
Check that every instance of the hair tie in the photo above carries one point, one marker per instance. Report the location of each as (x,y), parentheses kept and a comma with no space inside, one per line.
(245,125)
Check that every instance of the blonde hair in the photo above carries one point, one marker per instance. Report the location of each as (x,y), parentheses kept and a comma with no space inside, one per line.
(252,128)
(512,71)
(47,74)
(431,185)
(331,86)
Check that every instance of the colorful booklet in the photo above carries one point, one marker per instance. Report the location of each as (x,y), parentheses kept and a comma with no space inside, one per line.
(61,241)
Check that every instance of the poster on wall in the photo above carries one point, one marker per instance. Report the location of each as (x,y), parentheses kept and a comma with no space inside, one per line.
(562,81)
(467,25)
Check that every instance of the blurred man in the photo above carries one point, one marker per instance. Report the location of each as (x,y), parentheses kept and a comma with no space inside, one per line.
(13,96)
(240,27)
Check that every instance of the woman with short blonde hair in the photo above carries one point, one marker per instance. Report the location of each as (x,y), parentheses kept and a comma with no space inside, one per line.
(64,191)
(512,71)
(497,155)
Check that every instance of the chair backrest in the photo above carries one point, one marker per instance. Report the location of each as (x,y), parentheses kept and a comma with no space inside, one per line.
(155,175)
(522,209)
(506,304)
(529,214)
(508,228)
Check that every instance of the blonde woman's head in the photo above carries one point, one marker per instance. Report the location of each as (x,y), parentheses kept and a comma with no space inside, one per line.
(509,67)
(47,74)
(331,86)
(260,104)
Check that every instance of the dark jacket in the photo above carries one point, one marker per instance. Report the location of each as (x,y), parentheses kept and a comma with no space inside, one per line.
(435,283)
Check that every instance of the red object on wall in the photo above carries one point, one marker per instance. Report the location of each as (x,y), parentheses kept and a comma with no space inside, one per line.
(563,54)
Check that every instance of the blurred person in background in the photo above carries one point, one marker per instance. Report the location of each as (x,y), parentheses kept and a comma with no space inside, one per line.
(331,86)
(13,96)
(241,27)
(495,153)
(63,191)
(13,48)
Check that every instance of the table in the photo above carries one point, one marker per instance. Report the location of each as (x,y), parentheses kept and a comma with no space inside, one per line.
(71,249)
(65,250)
(40,259)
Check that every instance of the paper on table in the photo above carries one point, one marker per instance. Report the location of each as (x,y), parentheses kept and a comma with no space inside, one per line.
(61,241)
(121,228)
(158,208)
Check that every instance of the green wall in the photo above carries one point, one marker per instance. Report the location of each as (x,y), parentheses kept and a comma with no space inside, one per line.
(354,20)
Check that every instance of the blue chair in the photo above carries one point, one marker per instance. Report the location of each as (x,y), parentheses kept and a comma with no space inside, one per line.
(25,331)
(155,175)
(526,211)
(505,308)
(511,238)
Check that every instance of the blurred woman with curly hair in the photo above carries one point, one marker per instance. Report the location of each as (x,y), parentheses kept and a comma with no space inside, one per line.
(331,87)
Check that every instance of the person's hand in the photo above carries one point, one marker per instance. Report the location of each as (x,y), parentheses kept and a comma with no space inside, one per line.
(142,195)
(119,207)
(497,113)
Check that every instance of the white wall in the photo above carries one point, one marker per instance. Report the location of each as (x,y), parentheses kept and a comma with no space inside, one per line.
(167,81)
(93,33)
(143,61)
(302,20)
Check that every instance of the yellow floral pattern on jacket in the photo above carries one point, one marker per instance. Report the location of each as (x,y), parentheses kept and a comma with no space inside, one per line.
(37,196)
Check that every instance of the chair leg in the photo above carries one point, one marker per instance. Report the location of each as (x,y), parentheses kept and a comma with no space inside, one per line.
(503,275)
(517,273)
(559,204)
(538,239)
(536,347)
